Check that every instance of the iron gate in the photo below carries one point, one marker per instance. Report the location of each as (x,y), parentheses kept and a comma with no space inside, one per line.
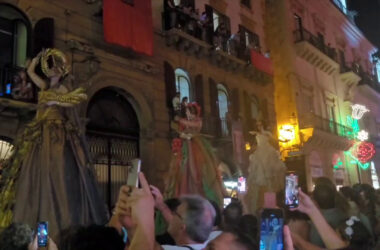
(111,155)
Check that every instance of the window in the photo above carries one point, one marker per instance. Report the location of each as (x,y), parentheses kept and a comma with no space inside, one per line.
(13,37)
(14,30)
(377,70)
(223,108)
(246,3)
(182,83)
(251,39)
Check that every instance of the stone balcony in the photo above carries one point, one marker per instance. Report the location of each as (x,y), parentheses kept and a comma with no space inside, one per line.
(320,132)
(349,75)
(313,50)
(191,45)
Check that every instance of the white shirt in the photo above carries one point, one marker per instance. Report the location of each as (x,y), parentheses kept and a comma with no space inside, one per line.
(193,246)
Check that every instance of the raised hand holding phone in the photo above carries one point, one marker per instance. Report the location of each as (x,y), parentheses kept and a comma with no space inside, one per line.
(291,190)
(42,233)
(134,169)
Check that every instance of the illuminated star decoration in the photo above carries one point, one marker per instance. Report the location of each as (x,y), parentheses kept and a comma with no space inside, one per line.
(362,135)
(358,111)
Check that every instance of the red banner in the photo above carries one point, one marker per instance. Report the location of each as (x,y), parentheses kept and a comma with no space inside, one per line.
(261,62)
(129,25)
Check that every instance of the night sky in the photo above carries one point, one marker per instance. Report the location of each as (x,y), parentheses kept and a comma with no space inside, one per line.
(368,18)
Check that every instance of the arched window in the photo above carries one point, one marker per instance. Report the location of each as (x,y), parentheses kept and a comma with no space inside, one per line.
(182,83)
(14,28)
(223,108)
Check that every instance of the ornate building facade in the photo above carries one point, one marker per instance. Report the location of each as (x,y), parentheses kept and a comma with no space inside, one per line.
(322,64)
(129,110)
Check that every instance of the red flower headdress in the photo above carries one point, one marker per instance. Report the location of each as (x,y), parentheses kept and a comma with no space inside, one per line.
(196,107)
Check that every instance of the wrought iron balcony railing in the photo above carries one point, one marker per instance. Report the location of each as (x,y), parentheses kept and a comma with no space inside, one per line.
(304,35)
(313,121)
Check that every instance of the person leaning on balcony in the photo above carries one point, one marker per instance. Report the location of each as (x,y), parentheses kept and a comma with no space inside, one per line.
(23,89)
(171,8)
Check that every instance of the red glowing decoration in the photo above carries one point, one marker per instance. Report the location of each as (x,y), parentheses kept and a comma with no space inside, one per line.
(364,151)
(176,145)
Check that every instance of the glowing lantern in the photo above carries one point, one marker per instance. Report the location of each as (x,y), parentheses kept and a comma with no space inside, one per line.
(358,111)
(287,133)
(247,146)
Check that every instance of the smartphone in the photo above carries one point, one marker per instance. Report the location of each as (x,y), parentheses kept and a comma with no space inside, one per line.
(241,184)
(133,173)
(291,190)
(271,229)
(42,233)
(226,202)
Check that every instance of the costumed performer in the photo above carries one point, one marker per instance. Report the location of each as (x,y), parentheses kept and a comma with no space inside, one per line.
(266,170)
(49,176)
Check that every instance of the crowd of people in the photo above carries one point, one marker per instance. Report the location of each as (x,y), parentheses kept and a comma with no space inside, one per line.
(329,219)
(186,18)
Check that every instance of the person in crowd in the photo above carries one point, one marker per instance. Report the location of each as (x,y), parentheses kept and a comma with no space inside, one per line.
(356,233)
(217,229)
(91,238)
(190,226)
(232,215)
(249,224)
(330,238)
(16,236)
(192,223)
(325,197)
(233,240)
(165,238)
(355,202)
(22,89)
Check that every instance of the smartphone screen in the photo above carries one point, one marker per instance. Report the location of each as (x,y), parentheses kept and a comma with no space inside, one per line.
(291,190)
(241,185)
(271,230)
(226,202)
(133,173)
(42,234)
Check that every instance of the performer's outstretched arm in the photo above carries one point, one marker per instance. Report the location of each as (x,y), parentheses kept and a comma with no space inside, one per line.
(32,74)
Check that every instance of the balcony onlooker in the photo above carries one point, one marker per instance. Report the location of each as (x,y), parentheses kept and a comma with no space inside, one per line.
(206,24)
(23,89)
(221,36)
(172,13)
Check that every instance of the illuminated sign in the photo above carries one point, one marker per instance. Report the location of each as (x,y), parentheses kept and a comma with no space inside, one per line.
(358,111)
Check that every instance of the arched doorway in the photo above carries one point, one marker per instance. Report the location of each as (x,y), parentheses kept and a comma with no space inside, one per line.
(113,136)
